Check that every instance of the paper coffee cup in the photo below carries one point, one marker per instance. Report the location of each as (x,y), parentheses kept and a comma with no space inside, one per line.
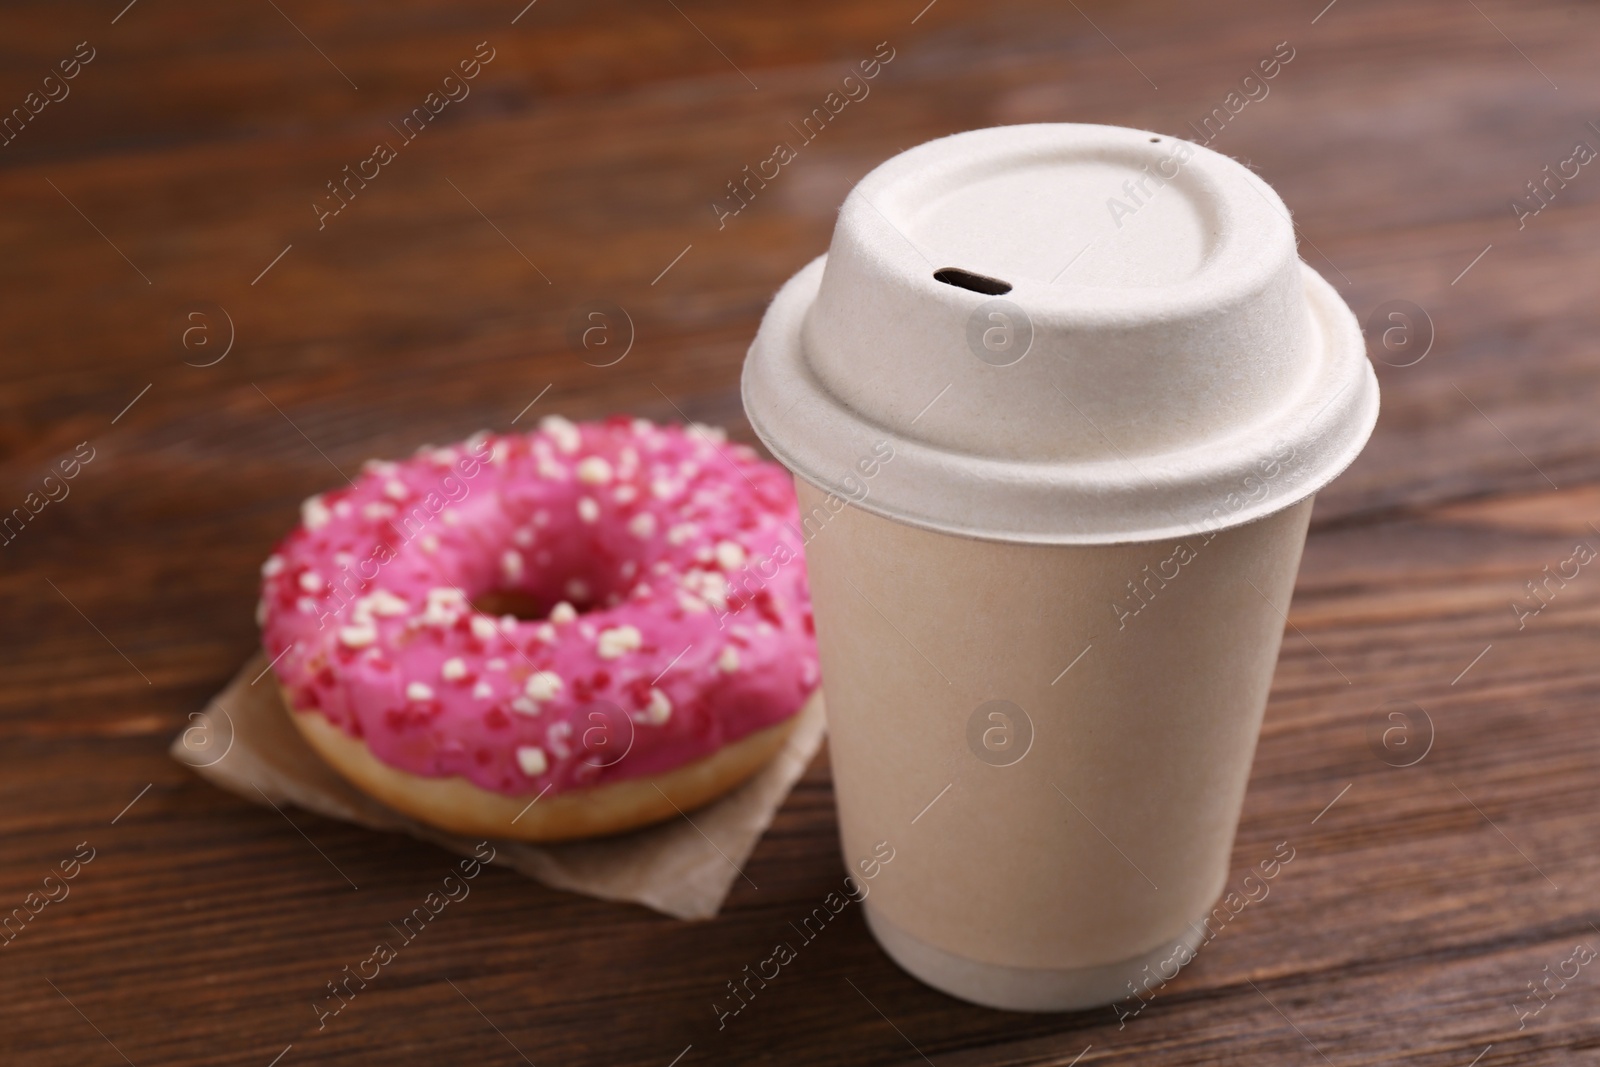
(1057,401)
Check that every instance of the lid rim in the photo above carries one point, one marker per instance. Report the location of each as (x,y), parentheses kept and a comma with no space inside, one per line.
(775,364)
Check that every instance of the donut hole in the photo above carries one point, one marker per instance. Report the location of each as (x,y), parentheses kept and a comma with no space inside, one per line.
(572,566)
(518,602)
(534,601)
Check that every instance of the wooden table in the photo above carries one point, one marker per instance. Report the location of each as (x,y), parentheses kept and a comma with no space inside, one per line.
(165,205)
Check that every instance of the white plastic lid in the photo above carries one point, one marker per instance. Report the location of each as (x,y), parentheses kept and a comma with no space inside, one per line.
(1066,334)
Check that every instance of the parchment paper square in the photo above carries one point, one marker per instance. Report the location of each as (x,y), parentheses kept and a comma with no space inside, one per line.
(244,742)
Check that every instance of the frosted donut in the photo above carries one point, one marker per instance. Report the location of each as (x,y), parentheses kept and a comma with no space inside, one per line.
(567,633)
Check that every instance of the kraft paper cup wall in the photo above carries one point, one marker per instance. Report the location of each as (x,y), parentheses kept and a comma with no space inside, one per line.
(1057,400)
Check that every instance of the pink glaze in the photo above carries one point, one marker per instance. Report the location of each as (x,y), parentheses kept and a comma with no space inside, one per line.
(681,553)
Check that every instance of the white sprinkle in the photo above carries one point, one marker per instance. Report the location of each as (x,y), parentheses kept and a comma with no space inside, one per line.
(419,691)
(522,537)
(358,636)
(710,586)
(450,517)
(681,533)
(310,581)
(643,427)
(381,602)
(691,603)
(445,605)
(563,613)
(661,488)
(730,557)
(550,470)
(562,431)
(642,525)
(625,494)
(715,434)
(453,669)
(272,566)
(532,761)
(496,664)
(729,660)
(483,690)
(508,623)
(314,513)
(342,508)
(588,510)
(380,467)
(306,605)
(594,470)
(578,589)
(511,565)
(444,457)
(556,737)
(545,632)
(395,489)
(613,643)
(659,709)
(343,559)
(483,628)
(376,510)
(429,543)
(543,685)
(628,569)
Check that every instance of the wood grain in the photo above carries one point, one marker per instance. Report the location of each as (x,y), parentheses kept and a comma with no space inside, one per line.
(1421,901)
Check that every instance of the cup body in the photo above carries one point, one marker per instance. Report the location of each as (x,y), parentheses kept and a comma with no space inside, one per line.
(1053,739)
